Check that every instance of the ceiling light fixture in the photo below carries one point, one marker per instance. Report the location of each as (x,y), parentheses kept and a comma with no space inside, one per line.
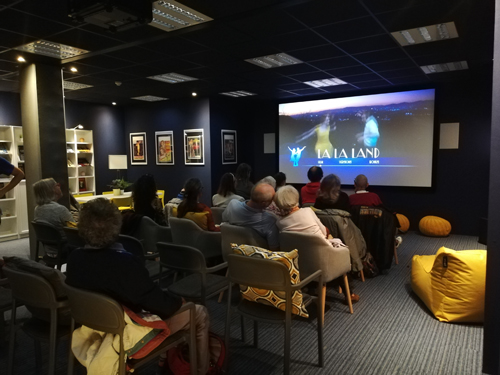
(149,98)
(21,59)
(426,34)
(51,49)
(274,61)
(194,94)
(73,69)
(114,103)
(326,82)
(172,78)
(70,85)
(171,15)
(447,67)
(237,94)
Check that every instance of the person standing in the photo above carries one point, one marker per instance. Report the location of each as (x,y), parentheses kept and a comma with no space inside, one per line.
(9,170)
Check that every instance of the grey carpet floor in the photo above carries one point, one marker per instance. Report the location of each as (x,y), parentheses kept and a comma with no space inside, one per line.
(390,332)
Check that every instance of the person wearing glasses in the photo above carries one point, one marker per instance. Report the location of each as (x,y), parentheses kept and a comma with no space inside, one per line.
(190,207)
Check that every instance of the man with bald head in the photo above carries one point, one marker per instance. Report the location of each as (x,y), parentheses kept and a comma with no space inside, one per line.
(252,214)
(361,196)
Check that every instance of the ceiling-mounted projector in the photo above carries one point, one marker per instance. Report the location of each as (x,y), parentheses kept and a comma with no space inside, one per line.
(113,15)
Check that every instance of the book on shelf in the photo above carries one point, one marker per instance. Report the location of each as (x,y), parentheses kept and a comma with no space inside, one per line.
(20,153)
(82,162)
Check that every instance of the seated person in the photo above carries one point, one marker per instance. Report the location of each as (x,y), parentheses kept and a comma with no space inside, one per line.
(252,214)
(280,178)
(361,197)
(243,184)
(330,196)
(272,208)
(47,192)
(146,202)
(308,193)
(193,210)
(226,192)
(170,209)
(303,220)
(104,266)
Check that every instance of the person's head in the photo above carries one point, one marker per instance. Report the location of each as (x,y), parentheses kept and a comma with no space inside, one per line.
(330,187)
(287,198)
(280,178)
(99,223)
(315,174)
(261,196)
(360,182)
(226,186)
(268,180)
(192,192)
(243,172)
(46,191)
(144,192)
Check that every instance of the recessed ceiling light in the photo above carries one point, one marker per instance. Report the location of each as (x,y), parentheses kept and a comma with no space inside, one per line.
(149,98)
(70,85)
(21,59)
(447,67)
(237,94)
(114,103)
(46,48)
(194,94)
(426,34)
(274,61)
(171,15)
(73,69)
(326,82)
(172,78)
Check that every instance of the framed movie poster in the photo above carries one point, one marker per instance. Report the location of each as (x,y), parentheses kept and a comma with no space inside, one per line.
(229,151)
(138,153)
(164,148)
(194,147)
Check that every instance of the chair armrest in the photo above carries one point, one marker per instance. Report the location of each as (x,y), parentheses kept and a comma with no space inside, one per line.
(185,307)
(217,267)
(316,275)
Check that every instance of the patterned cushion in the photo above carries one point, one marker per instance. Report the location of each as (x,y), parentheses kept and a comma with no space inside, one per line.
(434,226)
(271,297)
(200,218)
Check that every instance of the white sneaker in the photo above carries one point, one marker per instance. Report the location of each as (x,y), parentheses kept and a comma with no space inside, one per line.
(399,241)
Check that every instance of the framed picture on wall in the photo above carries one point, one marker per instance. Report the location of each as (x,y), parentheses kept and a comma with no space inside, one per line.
(194,147)
(229,150)
(138,153)
(164,147)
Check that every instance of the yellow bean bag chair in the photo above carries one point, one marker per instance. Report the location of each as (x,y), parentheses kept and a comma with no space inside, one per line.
(451,284)
(434,226)
(403,222)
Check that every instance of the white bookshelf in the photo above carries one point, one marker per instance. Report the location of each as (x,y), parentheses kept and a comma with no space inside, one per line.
(81,171)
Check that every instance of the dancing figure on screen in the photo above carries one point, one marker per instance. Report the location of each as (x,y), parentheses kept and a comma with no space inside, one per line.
(370,135)
(322,130)
(296,154)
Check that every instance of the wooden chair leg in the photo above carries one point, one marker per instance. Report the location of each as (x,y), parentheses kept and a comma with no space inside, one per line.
(323,297)
(348,293)
(221,294)
(362,276)
(340,289)
(396,254)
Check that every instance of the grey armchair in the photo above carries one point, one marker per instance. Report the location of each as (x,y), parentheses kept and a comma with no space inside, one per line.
(316,254)
(151,233)
(217,214)
(186,232)
(239,235)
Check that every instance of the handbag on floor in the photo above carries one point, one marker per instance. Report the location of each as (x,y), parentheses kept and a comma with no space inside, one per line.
(370,268)
(178,357)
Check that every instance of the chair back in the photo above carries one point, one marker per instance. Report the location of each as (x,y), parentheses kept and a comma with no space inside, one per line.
(48,234)
(187,232)
(316,254)
(132,245)
(73,237)
(150,233)
(122,202)
(161,196)
(181,258)
(240,236)
(95,310)
(30,289)
(217,214)
(258,272)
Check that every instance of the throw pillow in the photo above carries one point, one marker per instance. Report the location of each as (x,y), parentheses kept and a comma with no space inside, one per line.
(270,297)
(200,218)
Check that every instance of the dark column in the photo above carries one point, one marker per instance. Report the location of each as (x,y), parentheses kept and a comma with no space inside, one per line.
(491,350)
(42,114)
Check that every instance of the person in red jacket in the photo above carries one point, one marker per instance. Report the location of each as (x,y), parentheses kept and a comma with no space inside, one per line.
(361,196)
(308,192)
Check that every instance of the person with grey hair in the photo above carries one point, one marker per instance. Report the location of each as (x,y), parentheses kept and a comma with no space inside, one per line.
(252,214)
(268,180)
(104,266)
(47,192)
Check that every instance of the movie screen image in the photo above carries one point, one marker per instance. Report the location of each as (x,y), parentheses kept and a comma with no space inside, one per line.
(387,137)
